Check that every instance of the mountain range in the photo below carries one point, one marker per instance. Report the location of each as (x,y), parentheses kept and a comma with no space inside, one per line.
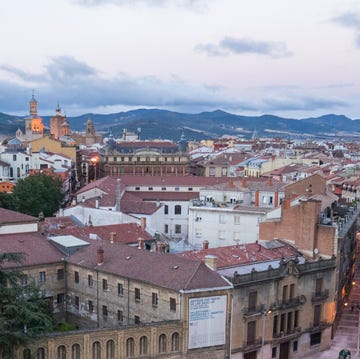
(163,124)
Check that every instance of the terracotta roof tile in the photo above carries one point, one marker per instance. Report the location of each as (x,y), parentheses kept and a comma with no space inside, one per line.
(7,216)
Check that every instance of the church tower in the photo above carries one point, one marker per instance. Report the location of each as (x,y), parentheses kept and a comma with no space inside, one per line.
(33,107)
(90,136)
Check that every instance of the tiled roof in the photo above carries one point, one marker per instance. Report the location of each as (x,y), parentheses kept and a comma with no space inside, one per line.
(7,216)
(243,254)
(125,233)
(36,248)
(160,269)
(107,184)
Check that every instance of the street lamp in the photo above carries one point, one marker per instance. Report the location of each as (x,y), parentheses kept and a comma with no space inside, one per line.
(94,161)
(265,313)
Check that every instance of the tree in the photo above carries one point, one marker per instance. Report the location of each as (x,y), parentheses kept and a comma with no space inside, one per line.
(23,312)
(6,200)
(38,193)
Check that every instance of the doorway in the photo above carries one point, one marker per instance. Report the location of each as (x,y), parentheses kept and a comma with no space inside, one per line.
(284,350)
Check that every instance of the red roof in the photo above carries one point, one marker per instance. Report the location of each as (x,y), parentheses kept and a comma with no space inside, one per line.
(161,269)
(7,216)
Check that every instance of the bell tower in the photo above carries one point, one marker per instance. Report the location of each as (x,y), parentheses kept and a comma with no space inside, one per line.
(33,106)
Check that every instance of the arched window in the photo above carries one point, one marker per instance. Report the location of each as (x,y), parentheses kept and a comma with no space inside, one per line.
(143,345)
(40,353)
(177,209)
(96,350)
(75,351)
(110,349)
(130,347)
(61,352)
(162,343)
(175,342)
(27,353)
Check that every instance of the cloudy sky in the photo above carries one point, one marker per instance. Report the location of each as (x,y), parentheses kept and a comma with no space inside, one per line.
(289,58)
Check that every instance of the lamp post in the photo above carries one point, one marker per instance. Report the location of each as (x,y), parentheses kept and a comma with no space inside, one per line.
(94,161)
(265,313)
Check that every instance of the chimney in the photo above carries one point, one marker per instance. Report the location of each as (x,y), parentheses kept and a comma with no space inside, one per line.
(141,243)
(205,244)
(243,183)
(112,236)
(160,247)
(230,184)
(257,198)
(210,261)
(287,203)
(100,256)
(143,223)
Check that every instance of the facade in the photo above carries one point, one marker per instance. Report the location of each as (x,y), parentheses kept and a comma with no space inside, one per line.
(283,302)
(142,158)
(59,125)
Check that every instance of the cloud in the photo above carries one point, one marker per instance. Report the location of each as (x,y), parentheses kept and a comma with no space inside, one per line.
(79,89)
(231,45)
(352,21)
(189,4)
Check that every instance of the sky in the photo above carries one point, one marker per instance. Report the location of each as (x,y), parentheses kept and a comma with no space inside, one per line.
(294,59)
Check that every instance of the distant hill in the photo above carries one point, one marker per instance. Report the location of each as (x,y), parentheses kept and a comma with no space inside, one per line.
(156,123)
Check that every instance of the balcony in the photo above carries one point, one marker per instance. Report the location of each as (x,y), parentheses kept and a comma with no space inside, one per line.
(288,303)
(289,334)
(320,296)
(253,344)
(252,311)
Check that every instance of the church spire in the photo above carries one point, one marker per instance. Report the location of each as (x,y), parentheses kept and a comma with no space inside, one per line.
(33,105)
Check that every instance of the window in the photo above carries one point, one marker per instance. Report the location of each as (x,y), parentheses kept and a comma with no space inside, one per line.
(177,209)
(273,352)
(221,218)
(105,311)
(252,300)
(178,228)
(163,188)
(27,353)
(236,236)
(212,171)
(222,235)
(96,350)
(315,338)
(60,298)
(91,306)
(40,354)
(166,228)
(77,278)
(237,219)
(251,332)
(23,280)
(136,319)
(42,277)
(137,294)
(137,188)
(150,188)
(317,314)
(292,291)
(295,346)
(130,347)
(75,351)
(105,285)
(175,342)
(318,286)
(190,188)
(289,321)
(282,323)
(60,274)
(120,316)
(110,349)
(173,304)
(162,343)
(166,209)
(224,171)
(275,325)
(90,280)
(285,293)
(143,345)
(61,352)
(154,299)
(77,302)
(120,289)
(296,319)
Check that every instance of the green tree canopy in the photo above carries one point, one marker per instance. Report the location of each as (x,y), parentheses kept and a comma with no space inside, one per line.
(38,193)
(24,313)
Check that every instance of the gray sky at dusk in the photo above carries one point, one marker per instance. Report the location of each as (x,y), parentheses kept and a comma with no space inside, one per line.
(288,58)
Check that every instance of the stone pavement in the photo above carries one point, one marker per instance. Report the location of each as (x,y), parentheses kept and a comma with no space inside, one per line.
(346,335)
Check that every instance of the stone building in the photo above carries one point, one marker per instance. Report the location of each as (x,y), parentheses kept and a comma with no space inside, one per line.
(59,125)
(283,302)
(126,301)
(141,158)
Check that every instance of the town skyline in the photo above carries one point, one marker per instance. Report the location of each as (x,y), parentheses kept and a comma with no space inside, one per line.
(188,56)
